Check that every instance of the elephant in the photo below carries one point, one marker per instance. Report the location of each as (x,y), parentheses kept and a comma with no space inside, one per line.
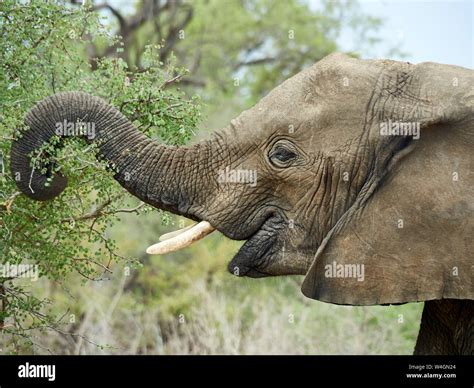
(357,174)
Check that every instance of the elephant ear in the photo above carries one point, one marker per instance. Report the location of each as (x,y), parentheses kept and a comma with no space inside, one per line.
(409,236)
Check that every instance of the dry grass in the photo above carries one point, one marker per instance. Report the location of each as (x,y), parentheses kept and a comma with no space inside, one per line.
(111,322)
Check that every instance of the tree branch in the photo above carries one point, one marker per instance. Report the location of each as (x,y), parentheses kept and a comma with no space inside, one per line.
(253,62)
(173,33)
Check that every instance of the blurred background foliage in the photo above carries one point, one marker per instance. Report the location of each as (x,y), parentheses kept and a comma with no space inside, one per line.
(98,291)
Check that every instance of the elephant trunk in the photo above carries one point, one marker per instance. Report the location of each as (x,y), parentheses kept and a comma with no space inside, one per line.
(153,172)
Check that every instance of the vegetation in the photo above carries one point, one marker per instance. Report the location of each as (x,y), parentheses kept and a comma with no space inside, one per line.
(43,46)
(97,291)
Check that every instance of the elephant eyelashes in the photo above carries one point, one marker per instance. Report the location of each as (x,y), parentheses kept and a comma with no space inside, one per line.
(282,155)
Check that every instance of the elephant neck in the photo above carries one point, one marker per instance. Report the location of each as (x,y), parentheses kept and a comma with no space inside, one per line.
(447,328)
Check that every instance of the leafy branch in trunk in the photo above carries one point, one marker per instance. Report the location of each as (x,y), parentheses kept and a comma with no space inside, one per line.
(44,47)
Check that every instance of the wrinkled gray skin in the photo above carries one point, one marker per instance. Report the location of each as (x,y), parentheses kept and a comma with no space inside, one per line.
(315,145)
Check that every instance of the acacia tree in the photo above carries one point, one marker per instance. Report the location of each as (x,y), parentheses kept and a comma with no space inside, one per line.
(43,47)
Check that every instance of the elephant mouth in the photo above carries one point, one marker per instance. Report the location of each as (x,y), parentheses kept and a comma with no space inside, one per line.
(251,259)
(255,256)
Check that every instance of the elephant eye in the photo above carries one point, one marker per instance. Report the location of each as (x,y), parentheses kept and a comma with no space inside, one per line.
(282,155)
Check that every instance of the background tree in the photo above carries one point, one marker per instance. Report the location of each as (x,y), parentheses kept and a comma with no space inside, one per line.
(261,42)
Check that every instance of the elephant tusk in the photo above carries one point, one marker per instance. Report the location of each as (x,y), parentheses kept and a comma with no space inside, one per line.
(175,233)
(174,241)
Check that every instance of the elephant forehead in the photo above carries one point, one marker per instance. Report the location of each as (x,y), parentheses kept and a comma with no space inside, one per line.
(271,121)
(286,107)
(340,90)
(291,94)
(330,96)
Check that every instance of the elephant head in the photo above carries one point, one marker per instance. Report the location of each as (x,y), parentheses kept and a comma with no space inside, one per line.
(355,173)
